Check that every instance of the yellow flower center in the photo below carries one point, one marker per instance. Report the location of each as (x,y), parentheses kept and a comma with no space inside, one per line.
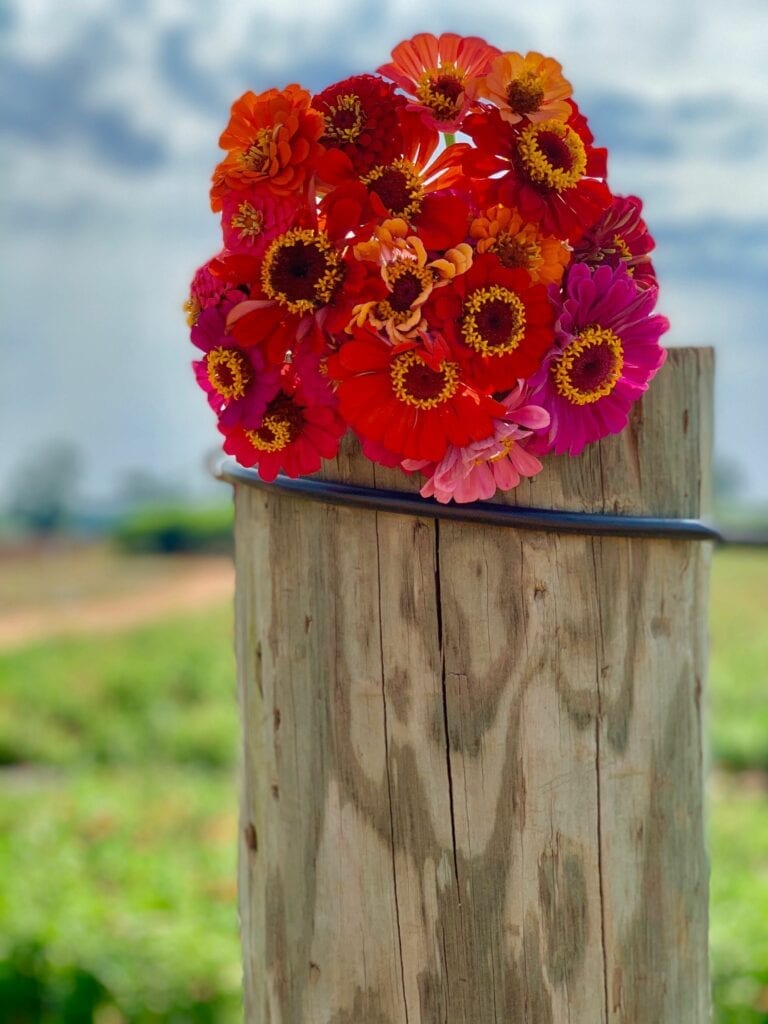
(258,156)
(516,251)
(590,367)
(506,446)
(493,323)
(229,372)
(248,220)
(301,270)
(552,155)
(192,309)
(440,89)
(274,434)
(398,186)
(416,383)
(345,119)
(525,94)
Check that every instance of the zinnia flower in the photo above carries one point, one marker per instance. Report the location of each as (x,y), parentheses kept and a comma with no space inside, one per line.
(208,289)
(620,236)
(607,352)
(299,276)
(413,187)
(361,116)
(549,170)
(293,436)
(500,323)
(516,244)
(252,217)
(271,138)
(412,400)
(530,88)
(475,472)
(409,277)
(435,72)
(237,380)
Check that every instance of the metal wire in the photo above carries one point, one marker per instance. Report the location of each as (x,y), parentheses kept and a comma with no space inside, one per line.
(549,520)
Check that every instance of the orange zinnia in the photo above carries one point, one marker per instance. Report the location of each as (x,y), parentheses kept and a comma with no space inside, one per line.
(270,138)
(516,244)
(530,87)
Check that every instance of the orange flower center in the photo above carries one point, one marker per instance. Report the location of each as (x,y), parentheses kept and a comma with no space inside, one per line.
(398,186)
(415,383)
(494,321)
(248,220)
(590,367)
(525,93)
(229,372)
(258,156)
(512,251)
(552,155)
(440,89)
(301,270)
(278,430)
(345,119)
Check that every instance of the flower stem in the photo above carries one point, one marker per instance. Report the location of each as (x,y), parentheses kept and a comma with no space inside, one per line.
(449,137)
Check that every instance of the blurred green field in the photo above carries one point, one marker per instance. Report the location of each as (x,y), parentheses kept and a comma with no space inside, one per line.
(118,819)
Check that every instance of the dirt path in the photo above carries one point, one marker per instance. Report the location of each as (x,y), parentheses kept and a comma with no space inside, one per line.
(188,587)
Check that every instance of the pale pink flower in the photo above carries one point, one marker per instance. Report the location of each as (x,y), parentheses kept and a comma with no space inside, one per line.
(500,461)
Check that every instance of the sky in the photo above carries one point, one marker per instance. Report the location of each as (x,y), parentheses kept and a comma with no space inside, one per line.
(110,111)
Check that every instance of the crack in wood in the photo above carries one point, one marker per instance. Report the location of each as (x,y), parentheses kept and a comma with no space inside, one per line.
(389,778)
(598,807)
(441,647)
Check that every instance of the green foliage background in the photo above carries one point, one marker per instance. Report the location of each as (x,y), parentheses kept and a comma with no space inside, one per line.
(118,819)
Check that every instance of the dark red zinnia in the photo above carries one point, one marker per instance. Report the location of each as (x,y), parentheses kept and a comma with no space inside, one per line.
(362,120)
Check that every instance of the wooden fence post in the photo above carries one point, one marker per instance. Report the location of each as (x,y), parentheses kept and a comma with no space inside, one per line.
(472,782)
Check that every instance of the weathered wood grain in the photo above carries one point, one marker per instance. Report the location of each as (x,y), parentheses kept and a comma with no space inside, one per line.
(472,771)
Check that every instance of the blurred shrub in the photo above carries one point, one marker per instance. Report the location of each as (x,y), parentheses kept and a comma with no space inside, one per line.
(168,529)
(164,693)
(118,897)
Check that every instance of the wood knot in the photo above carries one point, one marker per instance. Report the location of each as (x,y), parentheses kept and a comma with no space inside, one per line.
(275,791)
(276,718)
(314,971)
(251,837)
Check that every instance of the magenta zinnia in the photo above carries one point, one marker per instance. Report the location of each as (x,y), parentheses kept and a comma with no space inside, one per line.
(607,352)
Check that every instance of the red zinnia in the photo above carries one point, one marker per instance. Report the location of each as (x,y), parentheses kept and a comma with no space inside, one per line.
(501,323)
(293,437)
(413,187)
(412,401)
(552,173)
(297,279)
(620,236)
(362,120)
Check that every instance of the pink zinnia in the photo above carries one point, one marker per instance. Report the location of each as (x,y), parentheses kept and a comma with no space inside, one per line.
(620,236)
(253,217)
(607,352)
(206,290)
(237,380)
(476,471)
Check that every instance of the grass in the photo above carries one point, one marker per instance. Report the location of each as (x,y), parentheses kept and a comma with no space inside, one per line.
(739,661)
(118,819)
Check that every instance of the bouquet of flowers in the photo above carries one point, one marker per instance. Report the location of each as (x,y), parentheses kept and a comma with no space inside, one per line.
(431,257)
